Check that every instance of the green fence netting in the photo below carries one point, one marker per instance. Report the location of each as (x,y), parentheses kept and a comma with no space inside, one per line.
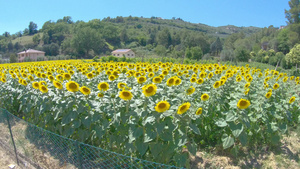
(43,149)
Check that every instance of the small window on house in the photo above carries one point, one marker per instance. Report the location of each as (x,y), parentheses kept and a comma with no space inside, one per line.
(128,54)
(131,54)
(118,54)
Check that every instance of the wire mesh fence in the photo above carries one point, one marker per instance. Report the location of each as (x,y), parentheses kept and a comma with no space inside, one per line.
(32,145)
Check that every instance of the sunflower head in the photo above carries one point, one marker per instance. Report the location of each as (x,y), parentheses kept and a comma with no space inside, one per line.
(292,99)
(171,81)
(151,74)
(162,106)
(243,104)
(121,85)
(72,86)
(100,95)
(57,84)
(141,79)
(199,111)
(190,90)
(275,86)
(157,79)
(193,80)
(112,77)
(125,95)
(59,77)
(35,85)
(204,97)
(247,85)
(149,90)
(51,78)
(200,81)
(268,95)
(183,108)
(217,84)
(85,90)
(43,88)
(177,81)
(103,86)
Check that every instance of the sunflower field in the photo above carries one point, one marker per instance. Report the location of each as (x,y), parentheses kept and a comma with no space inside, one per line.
(161,112)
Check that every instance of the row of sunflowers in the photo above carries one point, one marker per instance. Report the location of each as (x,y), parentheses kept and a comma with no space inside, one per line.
(153,111)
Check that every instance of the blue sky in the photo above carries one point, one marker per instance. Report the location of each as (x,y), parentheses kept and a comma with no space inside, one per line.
(15,15)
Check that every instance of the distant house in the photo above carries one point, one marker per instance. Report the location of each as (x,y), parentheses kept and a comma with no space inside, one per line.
(31,54)
(123,52)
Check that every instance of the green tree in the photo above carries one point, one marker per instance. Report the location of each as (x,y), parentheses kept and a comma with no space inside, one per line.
(32,28)
(10,46)
(293,56)
(87,39)
(164,38)
(293,14)
(188,53)
(124,36)
(36,39)
(196,53)
(242,54)
(216,47)
(282,39)
(13,58)
(160,50)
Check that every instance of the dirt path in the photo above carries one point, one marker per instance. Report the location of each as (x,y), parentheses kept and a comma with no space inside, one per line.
(7,159)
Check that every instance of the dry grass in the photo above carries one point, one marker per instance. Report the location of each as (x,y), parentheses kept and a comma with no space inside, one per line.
(285,156)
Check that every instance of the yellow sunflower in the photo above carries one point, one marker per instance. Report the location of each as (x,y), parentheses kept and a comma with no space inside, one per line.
(35,85)
(183,108)
(59,77)
(149,90)
(151,74)
(42,83)
(171,81)
(243,104)
(72,86)
(85,90)
(157,79)
(125,95)
(100,95)
(205,97)
(51,78)
(103,86)
(193,80)
(141,79)
(43,88)
(247,85)
(217,84)
(112,77)
(121,85)
(275,86)
(190,90)
(66,76)
(90,75)
(292,99)
(238,78)
(268,95)
(199,111)
(162,106)
(200,81)
(57,84)
(177,81)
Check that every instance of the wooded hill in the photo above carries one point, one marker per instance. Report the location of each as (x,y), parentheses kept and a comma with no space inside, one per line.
(154,37)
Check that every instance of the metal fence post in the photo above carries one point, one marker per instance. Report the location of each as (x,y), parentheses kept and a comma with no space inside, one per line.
(78,154)
(11,135)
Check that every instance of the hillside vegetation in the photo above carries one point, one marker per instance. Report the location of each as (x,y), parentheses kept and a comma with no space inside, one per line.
(157,37)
